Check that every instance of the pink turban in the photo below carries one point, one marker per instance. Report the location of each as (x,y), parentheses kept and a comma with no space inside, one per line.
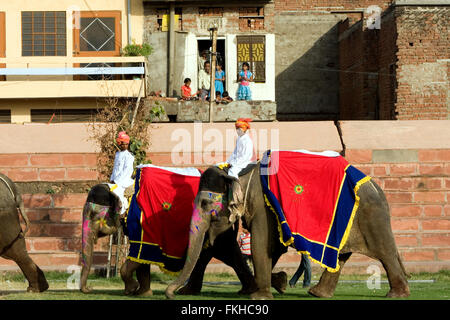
(123,138)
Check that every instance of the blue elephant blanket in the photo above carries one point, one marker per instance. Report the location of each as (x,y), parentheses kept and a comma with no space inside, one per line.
(314,197)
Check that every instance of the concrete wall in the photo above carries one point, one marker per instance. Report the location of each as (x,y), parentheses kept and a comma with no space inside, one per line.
(307,81)
(54,166)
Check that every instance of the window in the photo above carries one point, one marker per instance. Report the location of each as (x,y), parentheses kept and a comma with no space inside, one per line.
(98,33)
(43,33)
(5,116)
(251,19)
(252,49)
(163,19)
(62,115)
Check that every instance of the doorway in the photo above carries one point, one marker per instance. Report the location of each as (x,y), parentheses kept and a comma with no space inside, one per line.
(206,45)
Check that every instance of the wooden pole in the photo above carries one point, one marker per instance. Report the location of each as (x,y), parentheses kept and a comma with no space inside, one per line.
(212,94)
(171,49)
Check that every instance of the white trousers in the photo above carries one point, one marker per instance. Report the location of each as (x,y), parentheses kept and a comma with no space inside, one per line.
(119,191)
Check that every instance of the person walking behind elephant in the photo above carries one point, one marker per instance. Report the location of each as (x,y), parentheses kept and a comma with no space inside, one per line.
(305,266)
(123,169)
(244,78)
(245,246)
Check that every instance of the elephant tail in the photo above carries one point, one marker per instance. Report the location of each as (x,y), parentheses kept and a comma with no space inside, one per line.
(407,275)
(18,199)
(21,210)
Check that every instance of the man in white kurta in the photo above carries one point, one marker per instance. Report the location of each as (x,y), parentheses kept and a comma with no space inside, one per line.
(242,153)
(123,170)
(240,158)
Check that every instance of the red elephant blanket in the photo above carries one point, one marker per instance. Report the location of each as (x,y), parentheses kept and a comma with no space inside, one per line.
(159,215)
(314,198)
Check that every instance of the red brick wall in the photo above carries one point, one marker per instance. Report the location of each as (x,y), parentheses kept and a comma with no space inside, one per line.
(417,189)
(423,73)
(410,55)
(326,5)
(49,167)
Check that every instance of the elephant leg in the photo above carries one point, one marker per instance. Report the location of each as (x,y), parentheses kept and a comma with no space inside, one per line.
(143,277)
(234,258)
(395,273)
(278,279)
(126,273)
(18,253)
(328,281)
(195,282)
(262,260)
(89,236)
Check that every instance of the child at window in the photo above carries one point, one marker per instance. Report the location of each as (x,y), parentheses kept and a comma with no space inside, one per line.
(244,79)
(186,91)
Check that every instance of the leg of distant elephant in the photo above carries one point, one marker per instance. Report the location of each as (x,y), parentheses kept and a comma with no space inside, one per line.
(278,279)
(328,281)
(195,282)
(126,273)
(262,261)
(89,235)
(34,275)
(143,277)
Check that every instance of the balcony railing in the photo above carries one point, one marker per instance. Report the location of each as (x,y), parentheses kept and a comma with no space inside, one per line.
(63,77)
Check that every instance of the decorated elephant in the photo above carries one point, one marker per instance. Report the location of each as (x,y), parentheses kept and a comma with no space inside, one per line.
(12,238)
(316,203)
(101,217)
(158,228)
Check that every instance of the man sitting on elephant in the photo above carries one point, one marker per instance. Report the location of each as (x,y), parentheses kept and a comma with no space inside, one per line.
(238,160)
(123,170)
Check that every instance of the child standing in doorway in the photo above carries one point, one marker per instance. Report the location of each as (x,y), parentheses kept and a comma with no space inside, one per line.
(244,79)
(220,79)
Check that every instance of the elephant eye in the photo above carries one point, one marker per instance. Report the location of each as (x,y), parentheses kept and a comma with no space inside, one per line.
(205,203)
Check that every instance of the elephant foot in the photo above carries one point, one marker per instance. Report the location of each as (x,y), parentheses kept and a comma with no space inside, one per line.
(248,290)
(319,292)
(279,281)
(37,289)
(188,291)
(144,292)
(398,293)
(131,287)
(33,290)
(86,289)
(261,295)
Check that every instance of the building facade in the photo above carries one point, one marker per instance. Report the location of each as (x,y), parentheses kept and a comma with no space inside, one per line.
(58,58)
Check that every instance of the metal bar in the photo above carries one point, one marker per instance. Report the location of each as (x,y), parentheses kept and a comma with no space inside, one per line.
(108,265)
(70,71)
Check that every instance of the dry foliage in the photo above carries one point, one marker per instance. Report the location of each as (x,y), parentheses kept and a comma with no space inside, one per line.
(117,116)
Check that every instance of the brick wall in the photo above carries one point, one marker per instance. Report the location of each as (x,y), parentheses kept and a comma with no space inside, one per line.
(407,59)
(413,170)
(423,67)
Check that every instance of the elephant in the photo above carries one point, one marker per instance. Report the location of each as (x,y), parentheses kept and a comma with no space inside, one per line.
(101,217)
(12,238)
(370,234)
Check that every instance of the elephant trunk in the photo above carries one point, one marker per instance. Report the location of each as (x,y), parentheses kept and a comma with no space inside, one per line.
(199,226)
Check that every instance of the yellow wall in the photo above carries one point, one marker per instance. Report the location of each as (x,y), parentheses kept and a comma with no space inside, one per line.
(14,8)
(20,108)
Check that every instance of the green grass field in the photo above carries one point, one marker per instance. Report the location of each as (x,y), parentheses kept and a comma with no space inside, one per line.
(224,286)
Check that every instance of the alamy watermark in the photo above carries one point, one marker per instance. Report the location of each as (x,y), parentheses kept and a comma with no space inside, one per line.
(374,280)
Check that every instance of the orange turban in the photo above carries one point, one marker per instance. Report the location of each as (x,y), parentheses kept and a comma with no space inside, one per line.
(123,138)
(243,123)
